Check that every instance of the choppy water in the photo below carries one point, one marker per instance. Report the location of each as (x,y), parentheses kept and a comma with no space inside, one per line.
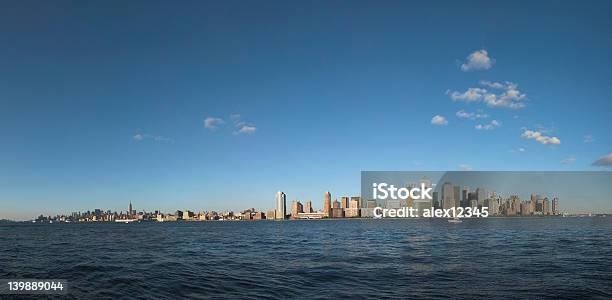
(500,258)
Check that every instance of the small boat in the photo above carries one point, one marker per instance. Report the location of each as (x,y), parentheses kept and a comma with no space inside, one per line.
(454,220)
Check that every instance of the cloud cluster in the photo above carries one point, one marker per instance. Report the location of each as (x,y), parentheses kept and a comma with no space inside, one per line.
(213,123)
(156,138)
(439,120)
(499,95)
(604,161)
(540,138)
(462,114)
(490,126)
(477,60)
(240,126)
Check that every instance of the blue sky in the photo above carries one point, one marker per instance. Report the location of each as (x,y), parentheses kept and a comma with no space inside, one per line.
(105,102)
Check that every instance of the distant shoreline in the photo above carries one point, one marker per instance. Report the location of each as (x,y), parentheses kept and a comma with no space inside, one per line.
(306,220)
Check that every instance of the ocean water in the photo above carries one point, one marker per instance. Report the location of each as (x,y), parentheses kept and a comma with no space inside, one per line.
(408,258)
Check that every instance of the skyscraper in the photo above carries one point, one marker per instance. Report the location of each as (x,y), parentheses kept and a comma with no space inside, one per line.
(281,201)
(555,206)
(481,195)
(327,205)
(345,202)
(448,200)
(457,195)
(130,209)
(296,208)
(465,201)
(308,207)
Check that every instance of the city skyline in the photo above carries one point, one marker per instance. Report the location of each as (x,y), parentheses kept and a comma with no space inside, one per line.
(101,107)
(350,207)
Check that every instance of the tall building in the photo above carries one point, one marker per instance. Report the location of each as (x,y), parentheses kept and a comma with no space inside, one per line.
(448,200)
(130,209)
(409,202)
(271,214)
(422,204)
(296,208)
(345,202)
(281,201)
(336,204)
(434,200)
(327,205)
(465,200)
(555,206)
(308,207)
(481,195)
(546,206)
(353,210)
(457,195)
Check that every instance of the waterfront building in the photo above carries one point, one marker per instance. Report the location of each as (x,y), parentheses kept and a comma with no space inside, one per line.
(353,210)
(481,195)
(327,205)
(546,207)
(281,201)
(271,214)
(465,201)
(308,207)
(473,203)
(434,201)
(311,215)
(337,212)
(296,208)
(345,202)
(335,204)
(555,206)
(526,209)
(457,195)
(448,200)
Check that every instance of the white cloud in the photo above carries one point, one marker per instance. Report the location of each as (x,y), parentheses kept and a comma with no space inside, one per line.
(465,167)
(604,161)
(502,95)
(157,138)
(494,85)
(462,114)
(478,60)
(490,126)
(540,138)
(240,126)
(471,95)
(510,97)
(518,150)
(246,129)
(212,123)
(439,120)
(568,160)
(588,139)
